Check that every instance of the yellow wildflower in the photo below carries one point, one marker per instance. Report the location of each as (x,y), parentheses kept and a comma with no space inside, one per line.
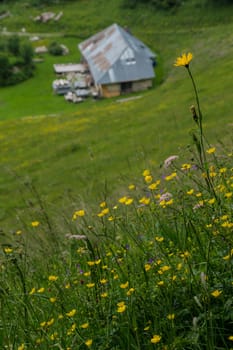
(33,290)
(53,278)
(71,313)
(131,187)
(186,166)
(147,267)
(160,283)
(8,250)
(190,192)
(85,325)
(156,339)
(146,172)
(122,200)
(103,281)
(104,295)
(148,178)
(216,293)
(52,299)
(121,307)
(130,291)
(50,322)
(21,347)
(41,290)
(129,201)
(184,60)
(88,342)
(211,201)
(159,239)
(35,223)
(171,317)
(124,285)
(211,150)
(90,285)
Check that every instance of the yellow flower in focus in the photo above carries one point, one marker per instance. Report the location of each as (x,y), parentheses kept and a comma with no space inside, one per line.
(216,293)
(184,60)
(156,339)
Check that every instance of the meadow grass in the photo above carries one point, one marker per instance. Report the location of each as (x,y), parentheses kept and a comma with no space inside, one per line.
(104,245)
(151,269)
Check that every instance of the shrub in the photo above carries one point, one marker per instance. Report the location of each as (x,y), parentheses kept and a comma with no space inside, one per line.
(55,49)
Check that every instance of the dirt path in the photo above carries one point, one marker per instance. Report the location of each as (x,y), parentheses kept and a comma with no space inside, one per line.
(47,35)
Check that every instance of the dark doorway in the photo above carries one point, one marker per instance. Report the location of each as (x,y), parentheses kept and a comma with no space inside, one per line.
(126,87)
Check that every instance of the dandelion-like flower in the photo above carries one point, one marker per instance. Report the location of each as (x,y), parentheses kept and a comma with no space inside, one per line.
(184,60)
(216,293)
(156,339)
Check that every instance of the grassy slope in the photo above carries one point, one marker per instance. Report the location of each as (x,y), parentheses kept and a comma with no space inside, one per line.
(71,155)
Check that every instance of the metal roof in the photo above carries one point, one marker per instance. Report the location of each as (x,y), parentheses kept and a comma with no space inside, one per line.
(69,67)
(114,55)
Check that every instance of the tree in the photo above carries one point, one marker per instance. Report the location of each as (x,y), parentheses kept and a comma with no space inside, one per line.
(5,69)
(14,45)
(27,53)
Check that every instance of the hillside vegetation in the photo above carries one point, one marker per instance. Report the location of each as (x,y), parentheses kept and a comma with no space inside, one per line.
(69,150)
(116,217)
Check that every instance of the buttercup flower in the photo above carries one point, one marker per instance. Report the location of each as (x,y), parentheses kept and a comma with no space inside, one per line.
(156,339)
(184,60)
(216,293)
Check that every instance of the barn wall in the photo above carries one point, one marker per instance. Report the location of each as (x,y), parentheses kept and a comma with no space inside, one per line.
(141,85)
(111,90)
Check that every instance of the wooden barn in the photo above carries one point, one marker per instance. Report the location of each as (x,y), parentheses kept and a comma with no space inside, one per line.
(118,62)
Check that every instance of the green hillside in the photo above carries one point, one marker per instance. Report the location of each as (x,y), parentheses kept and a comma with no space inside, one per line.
(73,153)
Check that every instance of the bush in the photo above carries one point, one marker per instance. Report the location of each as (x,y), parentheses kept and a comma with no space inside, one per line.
(55,49)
